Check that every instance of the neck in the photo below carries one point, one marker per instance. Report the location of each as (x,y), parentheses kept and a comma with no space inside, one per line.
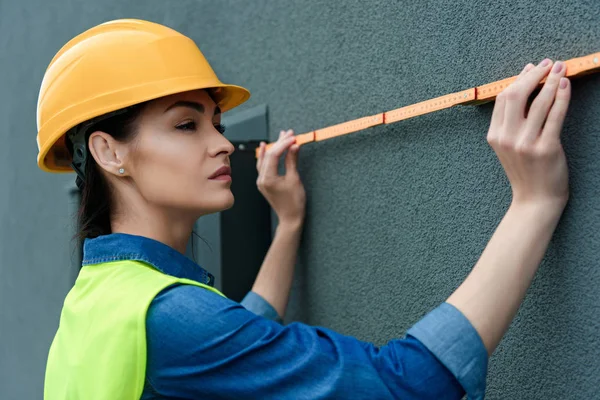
(172,230)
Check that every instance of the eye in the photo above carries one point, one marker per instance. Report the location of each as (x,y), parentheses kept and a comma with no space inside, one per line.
(188,126)
(220,128)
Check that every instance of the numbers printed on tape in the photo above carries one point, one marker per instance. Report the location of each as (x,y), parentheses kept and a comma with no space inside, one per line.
(474,96)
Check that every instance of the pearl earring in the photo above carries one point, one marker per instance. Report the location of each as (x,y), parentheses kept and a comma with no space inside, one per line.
(121,170)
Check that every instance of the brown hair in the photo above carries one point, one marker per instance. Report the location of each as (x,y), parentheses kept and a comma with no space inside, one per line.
(96,203)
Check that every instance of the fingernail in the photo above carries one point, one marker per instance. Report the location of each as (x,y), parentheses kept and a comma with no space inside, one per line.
(563,83)
(558,66)
(545,62)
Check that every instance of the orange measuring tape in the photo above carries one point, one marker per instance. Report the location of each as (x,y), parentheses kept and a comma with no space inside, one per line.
(475,96)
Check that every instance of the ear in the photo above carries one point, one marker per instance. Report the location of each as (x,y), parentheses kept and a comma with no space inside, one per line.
(109,153)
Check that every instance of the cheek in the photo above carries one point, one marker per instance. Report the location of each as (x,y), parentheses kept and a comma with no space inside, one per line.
(174,174)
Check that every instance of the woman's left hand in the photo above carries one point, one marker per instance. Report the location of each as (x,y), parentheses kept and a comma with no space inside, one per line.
(285,193)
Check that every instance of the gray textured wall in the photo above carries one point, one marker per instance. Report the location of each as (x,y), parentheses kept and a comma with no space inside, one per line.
(397,215)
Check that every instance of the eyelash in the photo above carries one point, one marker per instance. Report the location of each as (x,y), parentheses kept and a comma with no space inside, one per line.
(190,126)
(220,128)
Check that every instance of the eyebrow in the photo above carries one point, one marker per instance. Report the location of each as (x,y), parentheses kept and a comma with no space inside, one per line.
(193,105)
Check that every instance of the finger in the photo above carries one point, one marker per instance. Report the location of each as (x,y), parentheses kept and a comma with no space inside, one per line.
(499,107)
(271,158)
(291,161)
(556,117)
(498,113)
(283,135)
(525,70)
(518,93)
(532,79)
(261,154)
(542,103)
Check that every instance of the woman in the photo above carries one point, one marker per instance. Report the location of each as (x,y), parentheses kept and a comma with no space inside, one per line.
(134,108)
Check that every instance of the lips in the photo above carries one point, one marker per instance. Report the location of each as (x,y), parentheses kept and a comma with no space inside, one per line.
(221,173)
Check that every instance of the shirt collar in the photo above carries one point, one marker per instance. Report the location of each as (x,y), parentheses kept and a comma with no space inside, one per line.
(121,246)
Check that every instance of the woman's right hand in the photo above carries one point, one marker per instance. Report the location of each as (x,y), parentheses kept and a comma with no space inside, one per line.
(285,193)
(528,146)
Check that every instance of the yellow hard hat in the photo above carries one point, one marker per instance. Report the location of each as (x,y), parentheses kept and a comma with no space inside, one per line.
(112,66)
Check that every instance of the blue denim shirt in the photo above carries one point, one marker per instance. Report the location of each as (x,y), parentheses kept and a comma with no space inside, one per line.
(203,346)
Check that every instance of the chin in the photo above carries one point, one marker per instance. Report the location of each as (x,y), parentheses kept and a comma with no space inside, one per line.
(229,203)
(218,203)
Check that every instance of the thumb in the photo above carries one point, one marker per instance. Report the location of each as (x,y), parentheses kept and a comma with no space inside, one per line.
(291,160)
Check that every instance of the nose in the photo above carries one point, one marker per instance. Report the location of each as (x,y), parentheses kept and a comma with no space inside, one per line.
(221,146)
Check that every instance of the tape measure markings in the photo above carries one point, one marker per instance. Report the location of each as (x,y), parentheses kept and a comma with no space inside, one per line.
(583,65)
(348,127)
(575,67)
(474,96)
(428,106)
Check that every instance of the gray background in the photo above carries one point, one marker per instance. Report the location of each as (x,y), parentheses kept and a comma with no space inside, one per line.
(397,215)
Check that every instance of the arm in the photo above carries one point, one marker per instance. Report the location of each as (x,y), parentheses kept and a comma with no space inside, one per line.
(286,196)
(201,345)
(530,151)
(274,279)
(493,292)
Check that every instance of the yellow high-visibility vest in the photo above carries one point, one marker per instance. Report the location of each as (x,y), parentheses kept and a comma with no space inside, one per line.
(99,351)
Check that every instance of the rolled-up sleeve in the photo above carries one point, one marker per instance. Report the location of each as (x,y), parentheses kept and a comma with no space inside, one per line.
(449,335)
(201,345)
(259,306)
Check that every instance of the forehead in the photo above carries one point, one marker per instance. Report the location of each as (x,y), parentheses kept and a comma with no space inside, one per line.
(195,96)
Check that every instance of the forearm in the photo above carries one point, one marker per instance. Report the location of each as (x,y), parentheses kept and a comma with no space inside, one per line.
(274,279)
(493,291)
